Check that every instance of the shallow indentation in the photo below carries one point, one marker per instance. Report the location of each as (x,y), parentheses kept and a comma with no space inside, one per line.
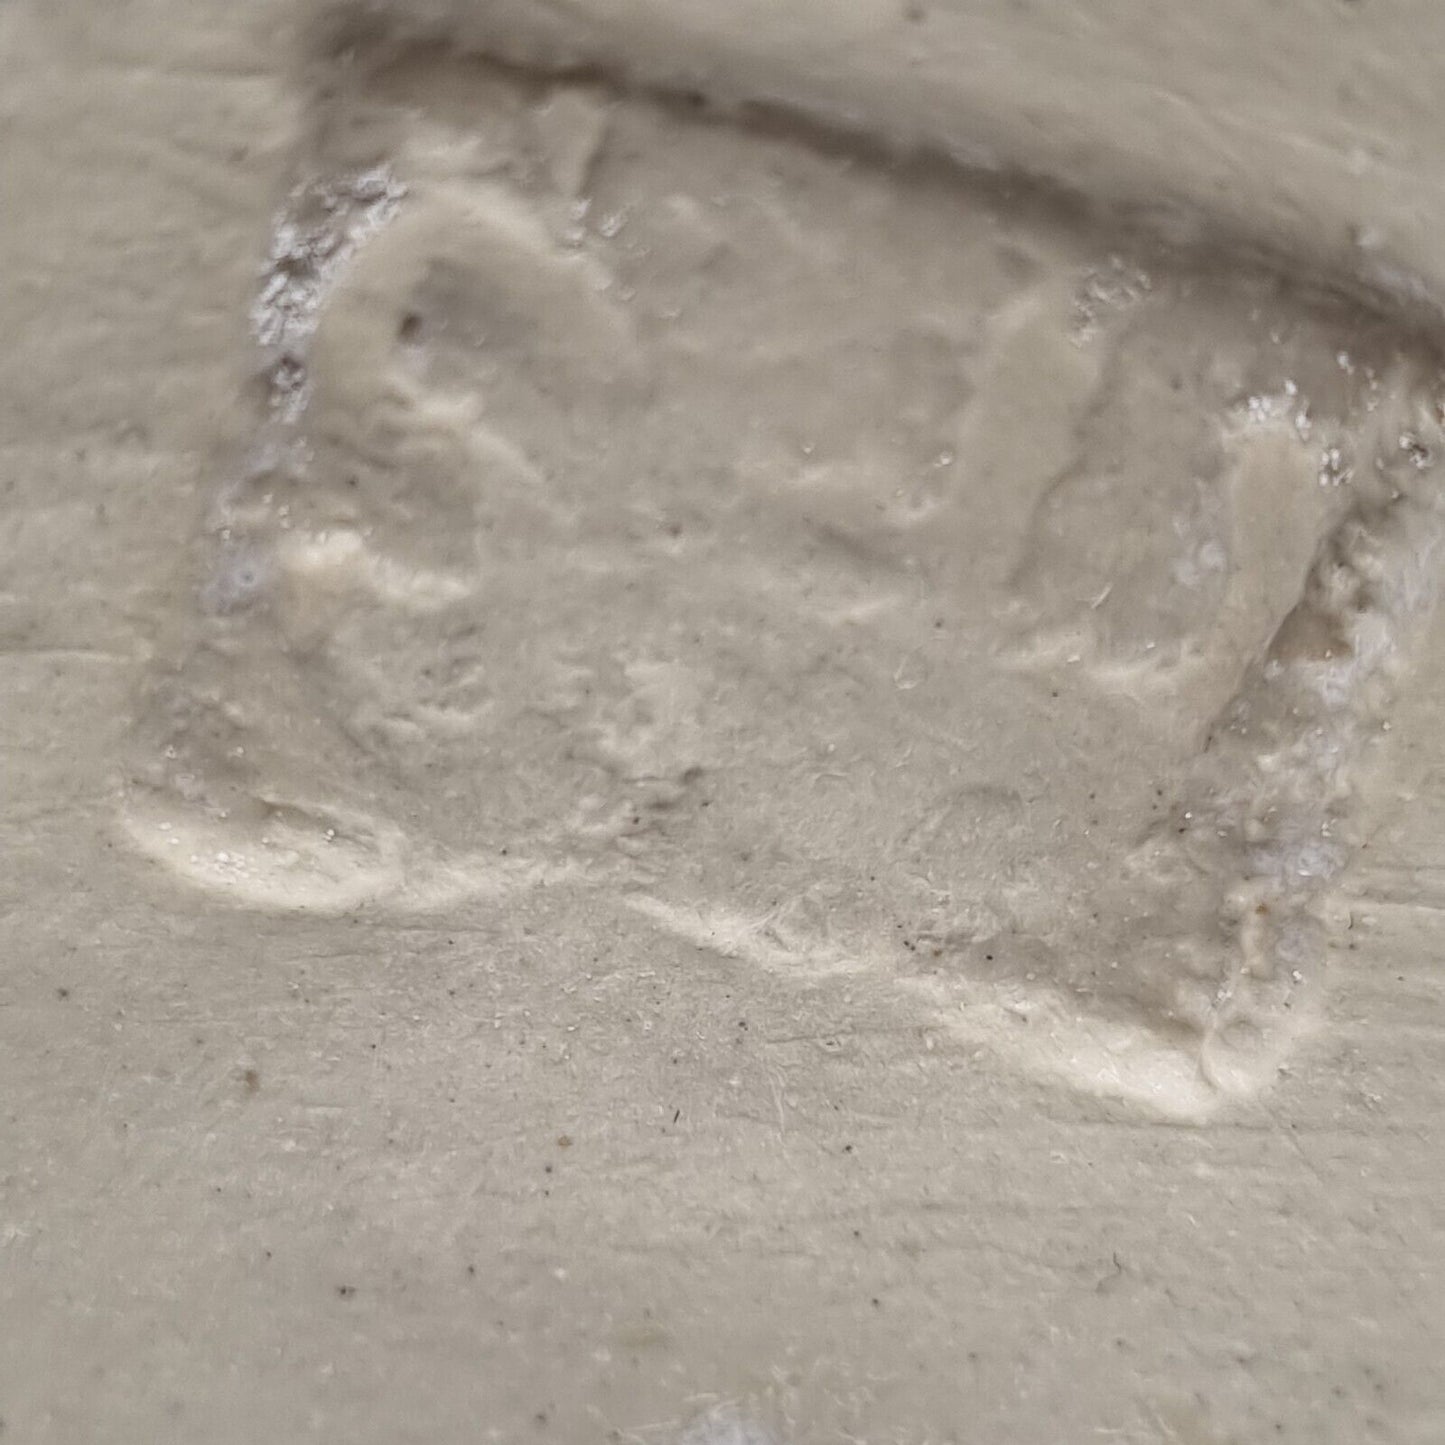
(847,568)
